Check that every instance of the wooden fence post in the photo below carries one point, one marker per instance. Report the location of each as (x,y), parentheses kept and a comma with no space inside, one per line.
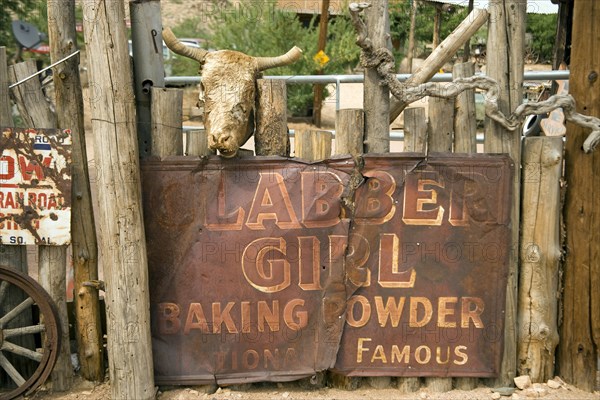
(69,110)
(415,130)
(313,145)
(377,105)
(440,138)
(166,122)
(465,122)
(13,256)
(349,131)
(440,129)
(539,257)
(376,96)
(271,137)
(580,330)
(122,241)
(197,143)
(465,141)
(36,112)
(505,65)
(415,141)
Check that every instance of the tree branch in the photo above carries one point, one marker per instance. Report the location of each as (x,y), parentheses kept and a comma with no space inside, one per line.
(383,61)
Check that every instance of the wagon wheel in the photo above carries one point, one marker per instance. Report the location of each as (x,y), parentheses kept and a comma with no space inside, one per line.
(25,367)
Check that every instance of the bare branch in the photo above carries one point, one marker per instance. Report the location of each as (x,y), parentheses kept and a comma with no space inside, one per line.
(383,61)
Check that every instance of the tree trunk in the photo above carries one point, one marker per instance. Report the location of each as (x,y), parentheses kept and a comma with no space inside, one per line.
(120,222)
(505,49)
(539,257)
(580,330)
(410,53)
(318,88)
(69,108)
(36,112)
(376,96)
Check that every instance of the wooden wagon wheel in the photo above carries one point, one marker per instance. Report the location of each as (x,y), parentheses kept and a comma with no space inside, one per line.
(42,334)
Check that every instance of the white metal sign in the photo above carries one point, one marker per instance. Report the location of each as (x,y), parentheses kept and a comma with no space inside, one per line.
(35,186)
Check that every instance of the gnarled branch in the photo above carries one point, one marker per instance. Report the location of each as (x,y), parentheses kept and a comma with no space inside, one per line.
(382,60)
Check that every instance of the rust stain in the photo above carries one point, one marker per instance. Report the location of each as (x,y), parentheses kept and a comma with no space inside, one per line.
(258,266)
(35,186)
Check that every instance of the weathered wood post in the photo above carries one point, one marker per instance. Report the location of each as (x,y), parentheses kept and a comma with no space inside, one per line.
(376,96)
(411,34)
(505,49)
(465,141)
(377,105)
(69,110)
(580,331)
(313,145)
(539,257)
(415,130)
(415,141)
(36,112)
(440,138)
(120,223)
(465,122)
(349,131)
(12,256)
(440,129)
(197,143)
(166,122)
(271,137)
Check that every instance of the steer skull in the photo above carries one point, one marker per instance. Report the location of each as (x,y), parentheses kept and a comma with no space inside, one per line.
(228,90)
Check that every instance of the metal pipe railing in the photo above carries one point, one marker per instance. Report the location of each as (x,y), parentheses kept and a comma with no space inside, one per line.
(338,79)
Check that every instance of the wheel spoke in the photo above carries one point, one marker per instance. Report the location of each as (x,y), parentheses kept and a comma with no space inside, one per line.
(21,351)
(26,330)
(3,287)
(15,311)
(11,371)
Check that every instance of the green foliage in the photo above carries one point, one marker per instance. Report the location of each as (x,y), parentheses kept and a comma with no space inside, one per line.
(543,30)
(400,22)
(259,29)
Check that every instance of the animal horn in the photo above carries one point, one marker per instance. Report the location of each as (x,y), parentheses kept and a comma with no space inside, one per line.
(271,62)
(179,48)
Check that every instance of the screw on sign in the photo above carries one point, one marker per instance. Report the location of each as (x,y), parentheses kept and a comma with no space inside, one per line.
(35,186)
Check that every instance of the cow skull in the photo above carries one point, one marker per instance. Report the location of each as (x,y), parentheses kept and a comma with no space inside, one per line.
(229,90)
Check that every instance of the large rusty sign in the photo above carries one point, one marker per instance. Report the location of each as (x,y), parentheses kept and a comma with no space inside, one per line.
(35,186)
(426,268)
(272,269)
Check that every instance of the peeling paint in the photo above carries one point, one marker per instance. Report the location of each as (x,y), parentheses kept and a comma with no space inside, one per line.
(35,186)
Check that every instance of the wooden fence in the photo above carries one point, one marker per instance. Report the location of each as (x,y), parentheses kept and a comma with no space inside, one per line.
(534,315)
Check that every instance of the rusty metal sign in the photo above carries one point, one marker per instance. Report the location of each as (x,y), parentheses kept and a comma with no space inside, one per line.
(267,269)
(246,268)
(426,267)
(35,186)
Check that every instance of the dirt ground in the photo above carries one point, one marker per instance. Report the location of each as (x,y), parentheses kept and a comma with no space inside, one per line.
(295,391)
